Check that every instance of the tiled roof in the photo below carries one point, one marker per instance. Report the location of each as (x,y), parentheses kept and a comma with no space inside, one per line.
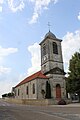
(32,77)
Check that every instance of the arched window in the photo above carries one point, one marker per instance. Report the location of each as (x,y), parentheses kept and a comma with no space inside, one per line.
(18,92)
(33,88)
(27,90)
(55,48)
(15,92)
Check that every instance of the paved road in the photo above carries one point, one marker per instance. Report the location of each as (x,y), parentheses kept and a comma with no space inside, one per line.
(26,112)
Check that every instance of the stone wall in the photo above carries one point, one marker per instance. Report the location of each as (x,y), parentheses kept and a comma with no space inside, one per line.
(40,84)
(31,101)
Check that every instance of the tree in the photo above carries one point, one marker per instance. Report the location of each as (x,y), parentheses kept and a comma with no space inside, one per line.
(48,90)
(4,95)
(8,95)
(73,80)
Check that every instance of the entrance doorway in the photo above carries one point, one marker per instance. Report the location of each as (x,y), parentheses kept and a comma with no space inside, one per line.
(58,91)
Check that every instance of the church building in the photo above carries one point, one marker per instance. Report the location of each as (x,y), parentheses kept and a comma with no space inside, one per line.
(49,82)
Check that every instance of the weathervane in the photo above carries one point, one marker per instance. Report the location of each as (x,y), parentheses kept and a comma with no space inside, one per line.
(49,26)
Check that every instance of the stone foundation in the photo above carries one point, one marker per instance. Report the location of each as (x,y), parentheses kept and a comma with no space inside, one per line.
(31,101)
(34,101)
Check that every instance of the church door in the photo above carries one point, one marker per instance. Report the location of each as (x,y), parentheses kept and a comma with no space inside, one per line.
(58,91)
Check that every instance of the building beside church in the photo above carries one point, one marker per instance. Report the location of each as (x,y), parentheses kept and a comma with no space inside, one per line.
(48,83)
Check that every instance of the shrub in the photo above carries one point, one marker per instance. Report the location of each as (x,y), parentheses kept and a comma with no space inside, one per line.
(62,102)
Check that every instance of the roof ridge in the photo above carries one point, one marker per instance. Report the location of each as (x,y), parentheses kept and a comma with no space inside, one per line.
(31,77)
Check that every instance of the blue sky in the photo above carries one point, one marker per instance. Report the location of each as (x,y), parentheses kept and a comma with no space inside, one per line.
(23,24)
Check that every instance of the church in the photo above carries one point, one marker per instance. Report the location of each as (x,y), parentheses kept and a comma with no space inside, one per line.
(49,82)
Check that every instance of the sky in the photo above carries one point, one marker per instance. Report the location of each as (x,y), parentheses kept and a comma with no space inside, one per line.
(23,25)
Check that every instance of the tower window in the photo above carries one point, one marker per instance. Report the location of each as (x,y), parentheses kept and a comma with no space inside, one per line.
(55,48)
(44,50)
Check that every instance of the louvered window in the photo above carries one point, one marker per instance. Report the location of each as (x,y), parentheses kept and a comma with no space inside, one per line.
(55,48)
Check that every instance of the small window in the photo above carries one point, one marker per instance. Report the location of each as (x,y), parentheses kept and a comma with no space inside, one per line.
(55,48)
(33,88)
(27,90)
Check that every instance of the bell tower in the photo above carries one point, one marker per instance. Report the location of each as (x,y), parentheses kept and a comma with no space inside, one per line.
(52,65)
(51,54)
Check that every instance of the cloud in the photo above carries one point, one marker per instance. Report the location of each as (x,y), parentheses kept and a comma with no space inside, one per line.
(5,88)
(35,58)
(79,16)
(4,70)
(8,81)
(70,45)
(38,6)
(6,51)
(1,2)
(16,5)
(3,53)
(0,9)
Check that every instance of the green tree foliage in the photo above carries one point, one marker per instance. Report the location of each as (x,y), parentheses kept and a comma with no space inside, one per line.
(48,90)
(5,95)
(8,95)
(73,80)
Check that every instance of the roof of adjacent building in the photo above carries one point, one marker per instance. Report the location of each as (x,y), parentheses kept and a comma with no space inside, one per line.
(32,77)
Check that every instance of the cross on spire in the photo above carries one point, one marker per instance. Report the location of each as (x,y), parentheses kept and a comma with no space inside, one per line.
(49,25)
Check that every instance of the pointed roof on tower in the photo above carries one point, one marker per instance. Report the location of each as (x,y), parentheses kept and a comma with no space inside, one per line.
(50,35)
